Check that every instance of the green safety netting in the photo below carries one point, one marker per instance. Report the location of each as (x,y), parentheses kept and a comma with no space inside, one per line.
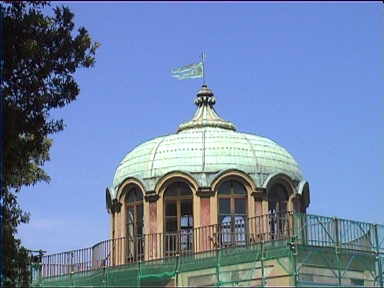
(323,251)
(223,267)
(248,266)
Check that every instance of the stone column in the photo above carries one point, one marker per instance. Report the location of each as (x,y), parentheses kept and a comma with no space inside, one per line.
(204,234)
(152,240)
(257,224)
(115,210)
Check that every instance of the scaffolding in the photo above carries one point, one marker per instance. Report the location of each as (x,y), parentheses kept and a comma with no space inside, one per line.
(270,250)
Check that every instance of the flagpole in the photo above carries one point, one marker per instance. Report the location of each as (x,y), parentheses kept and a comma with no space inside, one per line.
(202,60)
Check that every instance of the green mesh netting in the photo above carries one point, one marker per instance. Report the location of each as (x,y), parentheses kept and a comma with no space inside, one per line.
(258,265)
(319,266)
(318,255)
(238,266)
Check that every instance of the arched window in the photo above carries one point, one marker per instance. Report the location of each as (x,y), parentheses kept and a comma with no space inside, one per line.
(178,224)
(232,213)
(135,224)
(277,199)
(277,208)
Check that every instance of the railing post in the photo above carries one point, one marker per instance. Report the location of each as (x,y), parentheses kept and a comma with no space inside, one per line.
(293,254)
(337,246)
(336,232)
(72,262)
(262,264)
(299,220)
(379,264)
(296,226)
(177,269)
(113,252)
(218,258)
(288,220)
(40,271)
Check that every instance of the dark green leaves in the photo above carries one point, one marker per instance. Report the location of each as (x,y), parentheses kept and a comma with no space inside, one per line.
(41,55)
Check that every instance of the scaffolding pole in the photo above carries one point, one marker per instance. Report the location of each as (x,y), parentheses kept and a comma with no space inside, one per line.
(379,264)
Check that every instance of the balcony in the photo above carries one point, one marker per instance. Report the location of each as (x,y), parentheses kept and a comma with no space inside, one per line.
(292,229)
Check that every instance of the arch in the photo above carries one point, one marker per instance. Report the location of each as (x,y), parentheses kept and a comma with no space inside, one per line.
(128,182)
(303,190)
(160,187)
(294,196)
(130,220)
(175,176)
(178,218)
(108,200)
(112,192)
(232,211)
(282,179)
(280,192)
(295,203)
(278,198)
(133,218)
(233,174)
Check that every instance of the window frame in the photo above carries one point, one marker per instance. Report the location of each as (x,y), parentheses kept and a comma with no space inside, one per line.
(173,238)
(232,196)
(135,251)
(278,216)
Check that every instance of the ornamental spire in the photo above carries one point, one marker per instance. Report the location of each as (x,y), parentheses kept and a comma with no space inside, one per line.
(205,115)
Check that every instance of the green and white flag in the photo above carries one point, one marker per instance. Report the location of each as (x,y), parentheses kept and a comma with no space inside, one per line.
(189,71)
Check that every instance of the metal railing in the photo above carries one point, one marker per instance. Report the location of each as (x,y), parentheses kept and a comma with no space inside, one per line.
(323,231)
(303,229)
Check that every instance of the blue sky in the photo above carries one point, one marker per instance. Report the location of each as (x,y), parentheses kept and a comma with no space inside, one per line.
(307,75)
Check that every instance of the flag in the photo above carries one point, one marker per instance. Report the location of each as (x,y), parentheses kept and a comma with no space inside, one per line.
(189,71)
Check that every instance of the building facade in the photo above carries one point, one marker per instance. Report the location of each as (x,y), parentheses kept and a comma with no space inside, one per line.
(211,206)
(205,174)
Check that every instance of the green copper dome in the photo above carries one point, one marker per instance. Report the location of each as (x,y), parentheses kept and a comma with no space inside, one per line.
(204,147)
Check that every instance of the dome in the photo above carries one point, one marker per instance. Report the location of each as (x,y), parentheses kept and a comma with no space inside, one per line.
(205,147)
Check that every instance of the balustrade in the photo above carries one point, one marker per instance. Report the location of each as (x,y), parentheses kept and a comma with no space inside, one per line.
(304,229)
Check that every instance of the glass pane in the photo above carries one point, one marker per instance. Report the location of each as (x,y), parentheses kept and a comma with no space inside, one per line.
(171,208)
(140,215)
(225,220)
(225,229)
(186,207)
(239,222)
(224,206)
(186,221)
(171,225)
(272,206)
(139,195)
(139,229)
(240,206)
(238,188)
(186,239)
(171,190)
(131,196)
(130,215)
(277,193)
(225,188)
(239,229)
(184,189)
(186,213)
(130,231)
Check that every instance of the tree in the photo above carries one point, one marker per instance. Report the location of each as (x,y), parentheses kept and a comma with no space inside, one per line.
(41,54)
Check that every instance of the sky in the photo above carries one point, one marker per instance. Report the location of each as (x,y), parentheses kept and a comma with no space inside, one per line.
(308,75)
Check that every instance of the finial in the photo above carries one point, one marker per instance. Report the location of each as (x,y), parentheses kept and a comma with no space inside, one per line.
(205,115)
(205,96)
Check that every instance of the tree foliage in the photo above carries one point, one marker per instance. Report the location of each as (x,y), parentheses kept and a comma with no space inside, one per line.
(41,53)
